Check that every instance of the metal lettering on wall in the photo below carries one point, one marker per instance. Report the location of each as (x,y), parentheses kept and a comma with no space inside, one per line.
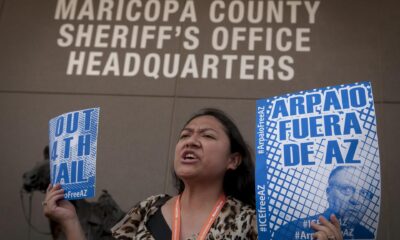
(246,40)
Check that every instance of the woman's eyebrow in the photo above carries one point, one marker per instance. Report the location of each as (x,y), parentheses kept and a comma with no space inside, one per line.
(207,129)
(187,129)
(201,130)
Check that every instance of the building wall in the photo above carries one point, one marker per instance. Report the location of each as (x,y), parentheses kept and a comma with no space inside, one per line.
(141,116)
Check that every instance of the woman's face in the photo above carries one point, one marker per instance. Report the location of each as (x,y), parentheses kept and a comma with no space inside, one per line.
(203,151)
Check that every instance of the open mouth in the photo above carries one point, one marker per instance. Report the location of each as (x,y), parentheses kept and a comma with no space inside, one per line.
(189,157)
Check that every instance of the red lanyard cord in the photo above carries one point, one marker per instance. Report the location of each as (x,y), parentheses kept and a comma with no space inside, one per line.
(176,223)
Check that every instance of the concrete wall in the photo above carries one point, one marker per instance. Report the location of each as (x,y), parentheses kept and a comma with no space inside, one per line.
(141,117)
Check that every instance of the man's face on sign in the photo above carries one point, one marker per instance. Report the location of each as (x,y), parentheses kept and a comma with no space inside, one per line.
(347,196)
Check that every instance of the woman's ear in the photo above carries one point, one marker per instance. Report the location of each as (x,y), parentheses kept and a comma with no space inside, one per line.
(234,161)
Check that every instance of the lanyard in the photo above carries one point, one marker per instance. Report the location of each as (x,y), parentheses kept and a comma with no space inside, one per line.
(176,224)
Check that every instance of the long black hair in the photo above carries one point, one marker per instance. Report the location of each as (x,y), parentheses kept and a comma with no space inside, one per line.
(238,183)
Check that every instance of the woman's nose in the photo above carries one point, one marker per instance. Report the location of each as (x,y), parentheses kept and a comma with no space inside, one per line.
(192,141)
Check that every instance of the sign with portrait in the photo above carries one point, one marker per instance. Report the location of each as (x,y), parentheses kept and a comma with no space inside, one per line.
(73,147)
(316,155)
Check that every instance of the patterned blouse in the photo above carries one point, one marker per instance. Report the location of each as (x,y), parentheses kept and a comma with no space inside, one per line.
(235,221)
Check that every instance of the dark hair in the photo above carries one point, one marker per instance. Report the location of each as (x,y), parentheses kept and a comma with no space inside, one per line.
(238,183)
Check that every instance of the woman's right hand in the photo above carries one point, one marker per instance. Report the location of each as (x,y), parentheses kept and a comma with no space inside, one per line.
(56,207)
(62,211)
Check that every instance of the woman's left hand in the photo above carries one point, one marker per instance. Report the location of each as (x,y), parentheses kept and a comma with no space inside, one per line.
(327,230)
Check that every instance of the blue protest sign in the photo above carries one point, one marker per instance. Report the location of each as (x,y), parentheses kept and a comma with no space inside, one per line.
(317,154)
(73,147)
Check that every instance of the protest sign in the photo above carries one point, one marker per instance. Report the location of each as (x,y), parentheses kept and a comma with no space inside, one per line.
(317,154)
(73,147)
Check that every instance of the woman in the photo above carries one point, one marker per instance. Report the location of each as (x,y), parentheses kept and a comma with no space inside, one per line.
(215,179)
